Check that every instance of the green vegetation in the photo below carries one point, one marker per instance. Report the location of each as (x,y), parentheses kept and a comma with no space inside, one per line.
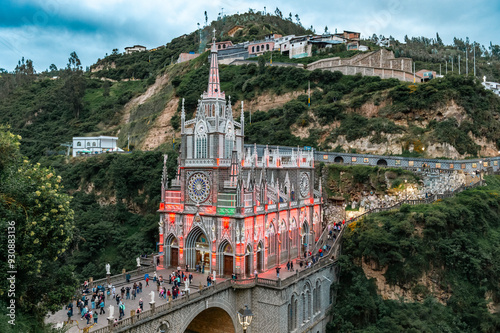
(344,180)
(115,198)
(48,112)
(455,243)
(37,222)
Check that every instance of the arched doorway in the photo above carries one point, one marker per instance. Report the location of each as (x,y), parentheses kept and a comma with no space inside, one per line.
(338,159)
(197,249)
(382,162)
(216,319)
(305,236)
(173,251)
(248,261)
(226,257)
(260,257)
(272,244)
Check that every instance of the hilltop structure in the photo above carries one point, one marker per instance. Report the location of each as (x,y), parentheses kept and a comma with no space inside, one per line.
(228,209)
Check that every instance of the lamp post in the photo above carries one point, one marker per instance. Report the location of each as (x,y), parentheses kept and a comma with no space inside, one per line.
(480,173)
(245,317)
(406,191)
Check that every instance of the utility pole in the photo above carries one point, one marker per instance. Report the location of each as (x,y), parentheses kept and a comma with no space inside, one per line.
(474,59)
(309,93)
(467,60)
(413,72)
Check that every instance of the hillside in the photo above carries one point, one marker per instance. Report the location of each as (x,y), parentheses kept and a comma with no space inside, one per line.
(426,268)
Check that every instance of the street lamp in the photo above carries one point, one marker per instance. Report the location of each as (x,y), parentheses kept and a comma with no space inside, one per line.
(406,191)
(245,318)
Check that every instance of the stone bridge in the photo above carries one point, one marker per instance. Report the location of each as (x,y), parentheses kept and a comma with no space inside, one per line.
(490,164)
(297,303)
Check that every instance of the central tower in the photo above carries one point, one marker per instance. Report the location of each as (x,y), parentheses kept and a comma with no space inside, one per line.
(229,210)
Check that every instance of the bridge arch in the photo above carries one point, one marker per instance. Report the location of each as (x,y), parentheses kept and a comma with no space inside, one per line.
(197,249)
(219,317)
(338,159)
(382,162)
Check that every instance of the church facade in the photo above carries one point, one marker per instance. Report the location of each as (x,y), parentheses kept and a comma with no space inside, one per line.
(228,209)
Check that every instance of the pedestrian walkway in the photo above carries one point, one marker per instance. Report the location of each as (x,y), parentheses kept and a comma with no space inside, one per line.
(78,324)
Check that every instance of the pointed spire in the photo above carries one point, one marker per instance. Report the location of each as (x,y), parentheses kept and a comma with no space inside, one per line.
(164,177)
(213,78)
(242,120)
(183,117)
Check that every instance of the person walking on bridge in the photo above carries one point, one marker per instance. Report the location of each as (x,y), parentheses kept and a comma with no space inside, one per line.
(278,272)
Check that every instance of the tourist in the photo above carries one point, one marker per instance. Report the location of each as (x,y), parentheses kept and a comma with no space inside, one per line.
(127,292)
(69,314)
(84,312)
(118,299)
(278,272)
(114,292)
(301,264)
(138,311)
(95,317)
(133,292)
(291,266)
(115,323)
(288,266)
(190,278)
(187,268)
(122,310)
(154,277)
(101,305)
(140,287)
(208,281)
(88,316)
(122,292)
(169,294)
(147,281)
(157,285)
(141,304)
(127,277)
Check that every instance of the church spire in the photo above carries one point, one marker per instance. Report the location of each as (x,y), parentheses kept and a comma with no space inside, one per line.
(213,78)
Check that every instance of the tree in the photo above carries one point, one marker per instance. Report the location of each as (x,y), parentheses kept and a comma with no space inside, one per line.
(206,18)
(297,19)
(31,202)
(278,13)
(52,68)
(374,38)
(74,63)
(439,41)
(326,29)
(115,52)
(290,17)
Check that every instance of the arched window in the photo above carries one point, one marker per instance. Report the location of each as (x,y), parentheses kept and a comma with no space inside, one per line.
(88,144)
(93,144)
(267,47)
(201,141)
(78,144)
(283,235)
(253,49)
(229,140)
(258,48)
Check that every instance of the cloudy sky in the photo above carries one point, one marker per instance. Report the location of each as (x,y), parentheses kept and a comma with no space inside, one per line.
(47,31)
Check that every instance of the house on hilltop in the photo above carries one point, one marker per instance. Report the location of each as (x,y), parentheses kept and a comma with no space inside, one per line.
(135,48)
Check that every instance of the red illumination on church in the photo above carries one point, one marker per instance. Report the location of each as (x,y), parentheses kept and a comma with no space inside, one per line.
(230,205)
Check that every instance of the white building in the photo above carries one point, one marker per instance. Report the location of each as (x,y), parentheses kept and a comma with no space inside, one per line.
(135,48)
(493,86)
(94,145)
